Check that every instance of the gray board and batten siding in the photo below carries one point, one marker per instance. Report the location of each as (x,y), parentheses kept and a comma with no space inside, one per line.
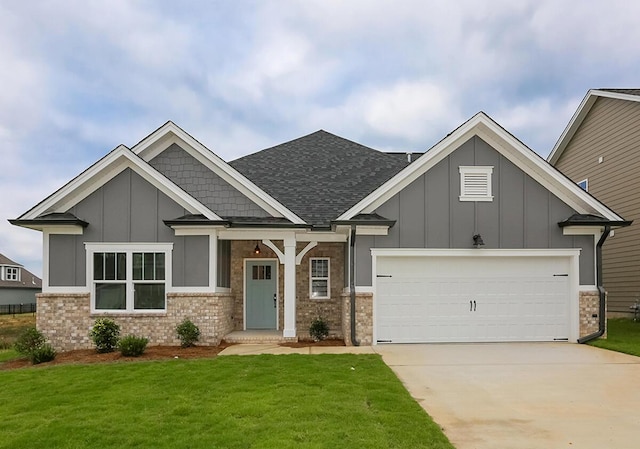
(127,209)
(429,214)
(204,185)
(610,130)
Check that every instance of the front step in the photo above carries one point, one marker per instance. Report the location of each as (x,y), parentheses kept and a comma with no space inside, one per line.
(258,337)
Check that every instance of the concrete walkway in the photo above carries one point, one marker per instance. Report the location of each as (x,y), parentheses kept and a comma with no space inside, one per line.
(512,395)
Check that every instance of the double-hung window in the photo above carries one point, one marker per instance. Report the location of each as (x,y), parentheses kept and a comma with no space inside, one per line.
(11,274)
(319,278)
(129,277)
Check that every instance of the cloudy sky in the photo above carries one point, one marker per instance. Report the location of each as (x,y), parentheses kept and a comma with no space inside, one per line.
(80,77)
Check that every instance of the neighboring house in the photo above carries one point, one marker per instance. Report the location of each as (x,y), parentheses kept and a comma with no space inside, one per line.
(17,284)
(478,239)
(599,150)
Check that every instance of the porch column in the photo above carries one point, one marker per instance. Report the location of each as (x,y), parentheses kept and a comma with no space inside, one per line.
(289,287)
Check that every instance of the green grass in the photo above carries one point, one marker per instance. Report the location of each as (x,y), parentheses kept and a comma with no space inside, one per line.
(266,401)
(623,335)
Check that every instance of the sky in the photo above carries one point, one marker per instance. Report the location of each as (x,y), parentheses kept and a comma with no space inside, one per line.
(78,78)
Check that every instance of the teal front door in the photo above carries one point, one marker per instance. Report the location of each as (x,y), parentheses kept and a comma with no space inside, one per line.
(260,293)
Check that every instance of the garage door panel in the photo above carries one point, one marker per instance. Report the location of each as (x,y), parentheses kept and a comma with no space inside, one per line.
(422,299)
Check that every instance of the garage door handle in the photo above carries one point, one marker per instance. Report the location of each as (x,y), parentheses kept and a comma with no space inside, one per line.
(383,275)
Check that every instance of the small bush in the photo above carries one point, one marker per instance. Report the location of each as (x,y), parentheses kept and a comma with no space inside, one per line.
(319,329)
(28,341)
(105,333)
(31,343)
(188,333)
(45,353)
(132,346)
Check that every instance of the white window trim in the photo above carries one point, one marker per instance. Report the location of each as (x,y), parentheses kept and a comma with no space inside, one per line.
(475,170)
(15,271)
(586,184)
(312,278)
(129,249)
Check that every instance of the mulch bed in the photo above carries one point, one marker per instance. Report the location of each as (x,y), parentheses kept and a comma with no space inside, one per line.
(82,356)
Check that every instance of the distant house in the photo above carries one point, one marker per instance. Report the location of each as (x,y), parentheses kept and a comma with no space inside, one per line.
(476,240)
(17,284)
(600,151)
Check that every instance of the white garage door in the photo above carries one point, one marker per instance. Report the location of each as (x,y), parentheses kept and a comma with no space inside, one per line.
(472,299)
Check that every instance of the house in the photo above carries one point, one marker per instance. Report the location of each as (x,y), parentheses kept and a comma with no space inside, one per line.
(599,150)
(478,239)
(17,284)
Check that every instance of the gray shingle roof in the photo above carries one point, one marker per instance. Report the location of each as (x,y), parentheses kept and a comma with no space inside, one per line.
(623,91)
(320,175)
(27,278)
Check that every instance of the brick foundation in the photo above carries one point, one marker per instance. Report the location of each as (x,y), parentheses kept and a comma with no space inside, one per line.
(589,310)
(65,319)
(364,318)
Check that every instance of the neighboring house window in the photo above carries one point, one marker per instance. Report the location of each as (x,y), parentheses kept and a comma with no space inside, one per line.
(319,278)
(584,185)
(130,280)
(475,183)
(11,274)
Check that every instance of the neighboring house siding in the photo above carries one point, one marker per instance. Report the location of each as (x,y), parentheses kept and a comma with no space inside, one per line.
(611,130)
(429,214)
(18,296)
(127,209)
(204,185)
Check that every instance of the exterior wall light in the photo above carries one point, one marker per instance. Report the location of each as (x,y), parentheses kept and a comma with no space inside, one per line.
(477,241)
(256,250)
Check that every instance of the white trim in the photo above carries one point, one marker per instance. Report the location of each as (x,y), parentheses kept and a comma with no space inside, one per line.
(587,288)
(170,133)
(372,230)
(182,230)
(482,174)
(57,229)
(321,237)
(129,249)
(484,127)
(275,249)
(582,230)
(320,278)
(304,251)
(102,172)
(244,288)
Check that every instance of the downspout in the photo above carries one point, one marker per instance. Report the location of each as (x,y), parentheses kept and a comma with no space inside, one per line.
(602,313)
(352,284)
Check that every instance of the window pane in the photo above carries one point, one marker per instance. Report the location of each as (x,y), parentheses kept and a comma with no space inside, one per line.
(148,266)
(254,272)
(110,266)
(148,296)
(122,266)
(267,271)
(137,266)
(98,266)
(111,296)
(260,271)
(320,268)
(159,267)
(319,289)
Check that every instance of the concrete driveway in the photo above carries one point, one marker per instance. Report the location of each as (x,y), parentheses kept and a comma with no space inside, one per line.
(524,395)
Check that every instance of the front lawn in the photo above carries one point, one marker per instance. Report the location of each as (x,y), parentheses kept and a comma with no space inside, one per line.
(265,401)
(623,335)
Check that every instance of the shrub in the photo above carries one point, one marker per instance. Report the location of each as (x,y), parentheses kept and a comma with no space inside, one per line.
(319,329)
(29,340)
(45,353)
(105,333)
(32,343)
(132,346)
(188,333)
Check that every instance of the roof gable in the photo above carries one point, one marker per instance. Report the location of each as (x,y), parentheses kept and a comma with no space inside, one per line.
(102,172)
(581,113)
(169,133)
(27,278)
(506,144)
(320,175)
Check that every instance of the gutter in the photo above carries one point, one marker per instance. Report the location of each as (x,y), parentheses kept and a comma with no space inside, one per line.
(602,309)
(352,284)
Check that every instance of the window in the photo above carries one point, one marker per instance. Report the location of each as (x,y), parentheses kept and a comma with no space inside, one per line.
(319,278)
(475,183)
(129,280)
(584,185)
(11,274)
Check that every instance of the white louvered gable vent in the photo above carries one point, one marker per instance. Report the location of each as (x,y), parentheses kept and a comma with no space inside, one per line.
(475,183)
